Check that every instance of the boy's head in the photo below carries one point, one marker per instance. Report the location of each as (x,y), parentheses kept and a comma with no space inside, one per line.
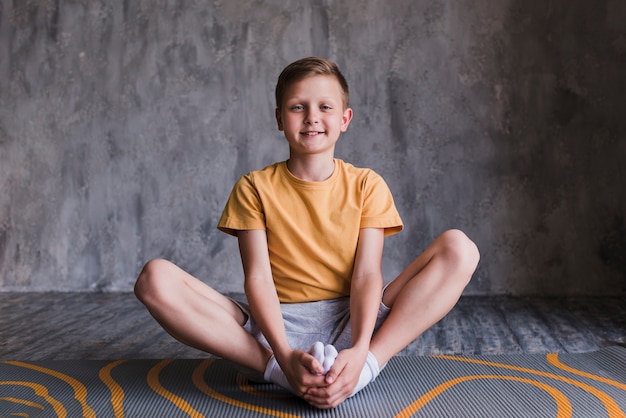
(307,67)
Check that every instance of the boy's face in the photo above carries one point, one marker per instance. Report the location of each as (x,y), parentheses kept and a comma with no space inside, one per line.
(312,115)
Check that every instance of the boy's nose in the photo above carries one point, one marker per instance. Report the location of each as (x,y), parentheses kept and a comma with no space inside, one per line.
(311,117)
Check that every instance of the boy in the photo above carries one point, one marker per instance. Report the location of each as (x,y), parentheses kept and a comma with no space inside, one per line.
(310,232)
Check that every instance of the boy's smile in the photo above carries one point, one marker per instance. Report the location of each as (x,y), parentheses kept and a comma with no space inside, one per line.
(312,133)
(312,115)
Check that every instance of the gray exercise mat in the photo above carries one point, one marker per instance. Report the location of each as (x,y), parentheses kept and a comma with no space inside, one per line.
(579,385)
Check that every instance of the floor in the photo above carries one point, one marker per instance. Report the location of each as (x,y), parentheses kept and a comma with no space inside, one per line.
(107,326)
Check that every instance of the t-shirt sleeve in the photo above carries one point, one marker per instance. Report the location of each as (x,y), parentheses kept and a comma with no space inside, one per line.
(379,209)
(243,210)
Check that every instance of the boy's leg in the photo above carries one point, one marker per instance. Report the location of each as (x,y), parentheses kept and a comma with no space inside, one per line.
(197,315)
(425,292)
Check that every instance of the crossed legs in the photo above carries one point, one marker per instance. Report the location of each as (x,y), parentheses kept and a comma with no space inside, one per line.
(200,317)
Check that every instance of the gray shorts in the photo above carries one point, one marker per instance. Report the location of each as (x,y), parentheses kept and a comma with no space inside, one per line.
(327,321)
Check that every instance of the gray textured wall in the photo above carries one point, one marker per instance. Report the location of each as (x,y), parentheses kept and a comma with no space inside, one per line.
(124,125)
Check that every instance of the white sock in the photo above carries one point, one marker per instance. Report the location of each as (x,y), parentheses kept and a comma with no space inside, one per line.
(325,355)
(317,351)
(273,373)
(330,355)
(368,374)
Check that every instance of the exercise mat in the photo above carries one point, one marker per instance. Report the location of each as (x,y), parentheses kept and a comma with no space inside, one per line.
(554,385)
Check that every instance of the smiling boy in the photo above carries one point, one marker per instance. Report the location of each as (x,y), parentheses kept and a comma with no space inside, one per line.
(310,233)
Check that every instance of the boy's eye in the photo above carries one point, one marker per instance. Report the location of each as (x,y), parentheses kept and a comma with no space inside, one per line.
(326,107)
(297,107)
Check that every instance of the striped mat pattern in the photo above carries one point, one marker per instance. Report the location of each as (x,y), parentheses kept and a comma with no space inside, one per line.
(565,385)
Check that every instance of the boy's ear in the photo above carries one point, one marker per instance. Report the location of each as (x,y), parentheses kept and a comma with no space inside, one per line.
(345,119)
(279,120)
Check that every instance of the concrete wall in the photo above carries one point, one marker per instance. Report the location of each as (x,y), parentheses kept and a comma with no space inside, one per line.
(123,127)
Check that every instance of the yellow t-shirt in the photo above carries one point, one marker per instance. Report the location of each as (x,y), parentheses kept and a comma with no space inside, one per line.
(312,227)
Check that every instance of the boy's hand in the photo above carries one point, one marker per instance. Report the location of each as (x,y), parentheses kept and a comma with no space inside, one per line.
(303,372)
(340,380)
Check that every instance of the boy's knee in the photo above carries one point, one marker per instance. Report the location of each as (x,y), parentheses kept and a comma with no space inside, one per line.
(462,249)
(149,278)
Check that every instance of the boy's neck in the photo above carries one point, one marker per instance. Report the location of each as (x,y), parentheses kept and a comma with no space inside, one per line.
(312,169)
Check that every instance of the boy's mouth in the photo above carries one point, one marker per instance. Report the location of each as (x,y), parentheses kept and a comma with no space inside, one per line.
(311,133)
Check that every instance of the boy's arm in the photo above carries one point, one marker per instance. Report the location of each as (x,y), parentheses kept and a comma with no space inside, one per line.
(366,287)
(265,307)
(365,297)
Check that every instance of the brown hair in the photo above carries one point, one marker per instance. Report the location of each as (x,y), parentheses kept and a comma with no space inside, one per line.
(307,67)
